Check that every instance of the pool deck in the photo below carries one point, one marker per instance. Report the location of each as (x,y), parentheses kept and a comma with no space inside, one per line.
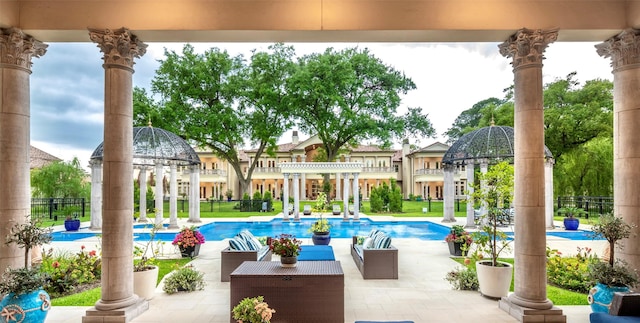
(419,294)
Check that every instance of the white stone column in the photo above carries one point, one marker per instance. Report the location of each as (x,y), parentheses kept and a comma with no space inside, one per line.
(548,193)
(96,194)
(173,196)
(285,197)
(296,196)
(194,194)
(120,47)
(303,183)
(143,195)
(356,197)
(345,198)
(159,195)
(16,51)
(526,47)
(624,51)
(196,214)
(470,180)
(449,215)
(484,167)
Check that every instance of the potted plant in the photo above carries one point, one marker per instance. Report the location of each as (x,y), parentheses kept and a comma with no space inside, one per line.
(614,275)
(145,271)
(72,223)
(189,241)
(494,276)
(23,288)
(459,240)
(229,194)
(184,279)
(570,221)
(253,310)
(288,248)
(320,229)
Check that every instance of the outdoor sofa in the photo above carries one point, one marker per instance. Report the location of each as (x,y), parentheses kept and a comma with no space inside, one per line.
(625,308)
(374,256)
(243,247)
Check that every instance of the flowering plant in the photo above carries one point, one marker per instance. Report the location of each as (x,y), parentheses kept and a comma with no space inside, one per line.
(188,237)
(253,310)
(458,234)
(286,245)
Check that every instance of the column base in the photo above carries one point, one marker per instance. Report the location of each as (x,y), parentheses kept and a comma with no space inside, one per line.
(173,226)
(122,315)
(525,314)
(448,220)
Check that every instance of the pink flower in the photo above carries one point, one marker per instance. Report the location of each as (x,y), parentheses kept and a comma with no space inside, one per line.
(55,264)
(82,247)
(92,253)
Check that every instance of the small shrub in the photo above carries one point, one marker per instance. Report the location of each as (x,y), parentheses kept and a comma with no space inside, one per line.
(463,279)
(68,271)
(570,272)
(253,310)
(187,279)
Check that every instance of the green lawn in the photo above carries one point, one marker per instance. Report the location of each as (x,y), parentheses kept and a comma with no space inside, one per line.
(91,296)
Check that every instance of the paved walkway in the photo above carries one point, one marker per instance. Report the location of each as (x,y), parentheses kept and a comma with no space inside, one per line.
(420,294)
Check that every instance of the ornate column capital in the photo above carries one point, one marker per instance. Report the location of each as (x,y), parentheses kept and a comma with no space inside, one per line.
(623,48)
(17,48)
(119,46)
(526,46)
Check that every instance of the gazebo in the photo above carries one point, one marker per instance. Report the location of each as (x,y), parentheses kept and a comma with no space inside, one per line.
(485,146)
(153,147)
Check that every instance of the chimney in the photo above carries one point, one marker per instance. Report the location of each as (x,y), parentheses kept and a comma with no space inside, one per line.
(294,137)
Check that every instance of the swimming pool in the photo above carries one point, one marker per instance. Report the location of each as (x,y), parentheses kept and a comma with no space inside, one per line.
(424,230)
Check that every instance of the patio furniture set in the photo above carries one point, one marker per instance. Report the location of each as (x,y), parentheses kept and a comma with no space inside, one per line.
(313,291)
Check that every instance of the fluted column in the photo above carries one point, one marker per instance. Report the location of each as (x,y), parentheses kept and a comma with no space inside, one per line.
(173,195)
(16,51)
(159,195)
(526,48)
(96,194)
(470,209)
(449,215)
(624,51)
(143,195)
(120,47)
(345,197)
(356,197)
(296,196)
(285,197)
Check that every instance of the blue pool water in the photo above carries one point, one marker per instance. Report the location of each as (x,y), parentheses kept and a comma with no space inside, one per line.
(423,230)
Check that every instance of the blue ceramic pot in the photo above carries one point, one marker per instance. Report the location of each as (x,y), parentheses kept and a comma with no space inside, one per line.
(571,223)
(31,307)
(601,295)
(321,238)
(72,225)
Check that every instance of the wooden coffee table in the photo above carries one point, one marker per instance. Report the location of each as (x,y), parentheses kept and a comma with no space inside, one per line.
(313,291)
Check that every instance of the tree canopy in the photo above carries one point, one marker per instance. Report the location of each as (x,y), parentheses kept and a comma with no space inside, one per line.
(349,96)
(60,179)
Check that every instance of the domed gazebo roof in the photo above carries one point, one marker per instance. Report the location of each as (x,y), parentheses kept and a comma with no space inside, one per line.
(152,144)
(494,143)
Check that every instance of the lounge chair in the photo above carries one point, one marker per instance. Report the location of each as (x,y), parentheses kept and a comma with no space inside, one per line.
(306,210)
(336,209)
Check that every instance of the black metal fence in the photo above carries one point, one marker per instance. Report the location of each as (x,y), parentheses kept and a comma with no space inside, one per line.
(593,205)
(59,208)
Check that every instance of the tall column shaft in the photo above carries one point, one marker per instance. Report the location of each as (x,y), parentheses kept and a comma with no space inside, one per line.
(296,196)
(120,48)
(526,47)
(470,209)
(548,193)
(16,51)
(196,211)
(356,197)
(285,197)
(173,196)
(96,195)
(159,195)
(143,194)
(624,51)
(449,215)
(345,197)
(337,186)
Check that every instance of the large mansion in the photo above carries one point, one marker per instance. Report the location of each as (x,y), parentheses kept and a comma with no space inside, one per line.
(418,172)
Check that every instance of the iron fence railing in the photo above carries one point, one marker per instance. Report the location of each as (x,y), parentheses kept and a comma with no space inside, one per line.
(59,208)
(592,205)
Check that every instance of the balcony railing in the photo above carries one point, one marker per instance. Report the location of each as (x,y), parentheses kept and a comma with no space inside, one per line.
(219,172)
(266,170)
(378,170)
(429,171)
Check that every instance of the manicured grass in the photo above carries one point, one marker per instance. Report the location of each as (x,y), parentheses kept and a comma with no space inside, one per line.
(91,296)
(557,295)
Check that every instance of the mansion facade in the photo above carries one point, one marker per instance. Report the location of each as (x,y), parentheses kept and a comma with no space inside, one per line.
(419,173)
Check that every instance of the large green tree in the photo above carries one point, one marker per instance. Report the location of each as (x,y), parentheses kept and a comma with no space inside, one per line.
(471,119)
(349,96)
(60,179)
(221,102)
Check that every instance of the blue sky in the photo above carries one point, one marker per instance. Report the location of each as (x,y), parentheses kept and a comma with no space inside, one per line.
(67,83)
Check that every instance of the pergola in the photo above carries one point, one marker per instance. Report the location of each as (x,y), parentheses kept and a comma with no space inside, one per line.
(153,147)
(485,146)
